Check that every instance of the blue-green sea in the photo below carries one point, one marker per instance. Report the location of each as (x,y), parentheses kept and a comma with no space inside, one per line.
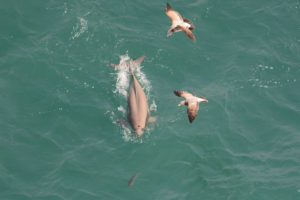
(61,104)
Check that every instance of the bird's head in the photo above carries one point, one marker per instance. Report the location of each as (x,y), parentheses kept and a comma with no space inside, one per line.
(203,99)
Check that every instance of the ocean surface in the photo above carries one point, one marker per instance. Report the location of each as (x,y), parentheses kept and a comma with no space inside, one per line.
(61,104)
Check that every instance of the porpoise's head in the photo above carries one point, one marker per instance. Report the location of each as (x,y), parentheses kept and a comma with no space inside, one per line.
(139,131)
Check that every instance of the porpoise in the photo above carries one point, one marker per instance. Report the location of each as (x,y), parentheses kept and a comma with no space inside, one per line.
(130,182)
(138,109)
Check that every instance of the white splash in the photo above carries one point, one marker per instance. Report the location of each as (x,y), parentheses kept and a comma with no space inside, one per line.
(122,83)
(80,28)
(122,109)
(123,78)
(153,106)
(145,83)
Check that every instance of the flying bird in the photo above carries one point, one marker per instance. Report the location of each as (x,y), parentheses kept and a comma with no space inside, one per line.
(179,23)
(191,101)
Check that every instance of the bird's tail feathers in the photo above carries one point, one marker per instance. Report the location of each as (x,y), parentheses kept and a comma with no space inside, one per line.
(192,27)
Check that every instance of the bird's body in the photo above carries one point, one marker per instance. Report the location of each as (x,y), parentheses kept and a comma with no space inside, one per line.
(179,23)
(192,101)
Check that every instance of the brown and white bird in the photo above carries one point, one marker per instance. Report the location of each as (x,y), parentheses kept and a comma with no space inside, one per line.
(179,23)
(191,101)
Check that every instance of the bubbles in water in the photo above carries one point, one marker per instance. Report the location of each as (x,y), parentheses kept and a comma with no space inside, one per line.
(122,83)
(128,136)
(65,8)
(153,106)
(265,76)
(121,109)
(85,85)
(80,28)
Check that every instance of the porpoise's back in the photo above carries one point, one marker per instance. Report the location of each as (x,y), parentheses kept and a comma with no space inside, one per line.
(137,105)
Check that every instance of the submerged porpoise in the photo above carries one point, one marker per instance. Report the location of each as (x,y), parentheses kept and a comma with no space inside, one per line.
(130,182)
(138,109)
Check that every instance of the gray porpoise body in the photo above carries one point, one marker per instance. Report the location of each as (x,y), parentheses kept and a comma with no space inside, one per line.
(138,110)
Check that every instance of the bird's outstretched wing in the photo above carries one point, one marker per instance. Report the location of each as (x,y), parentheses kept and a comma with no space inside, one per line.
(174,15)
(184,94)
(192,110)
(188,32)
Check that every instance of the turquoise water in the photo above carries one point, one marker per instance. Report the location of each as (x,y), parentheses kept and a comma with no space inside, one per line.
(61,102)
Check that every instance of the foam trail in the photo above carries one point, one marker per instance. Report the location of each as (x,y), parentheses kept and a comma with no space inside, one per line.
(122,83)
(83,27)
(122,109)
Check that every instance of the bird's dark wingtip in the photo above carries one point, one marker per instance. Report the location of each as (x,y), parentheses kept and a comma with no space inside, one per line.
(176,92)
(168,7)
(191,119)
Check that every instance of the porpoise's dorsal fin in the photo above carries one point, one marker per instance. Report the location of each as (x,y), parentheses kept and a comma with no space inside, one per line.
(132,64)
(139,60)
(136,62)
